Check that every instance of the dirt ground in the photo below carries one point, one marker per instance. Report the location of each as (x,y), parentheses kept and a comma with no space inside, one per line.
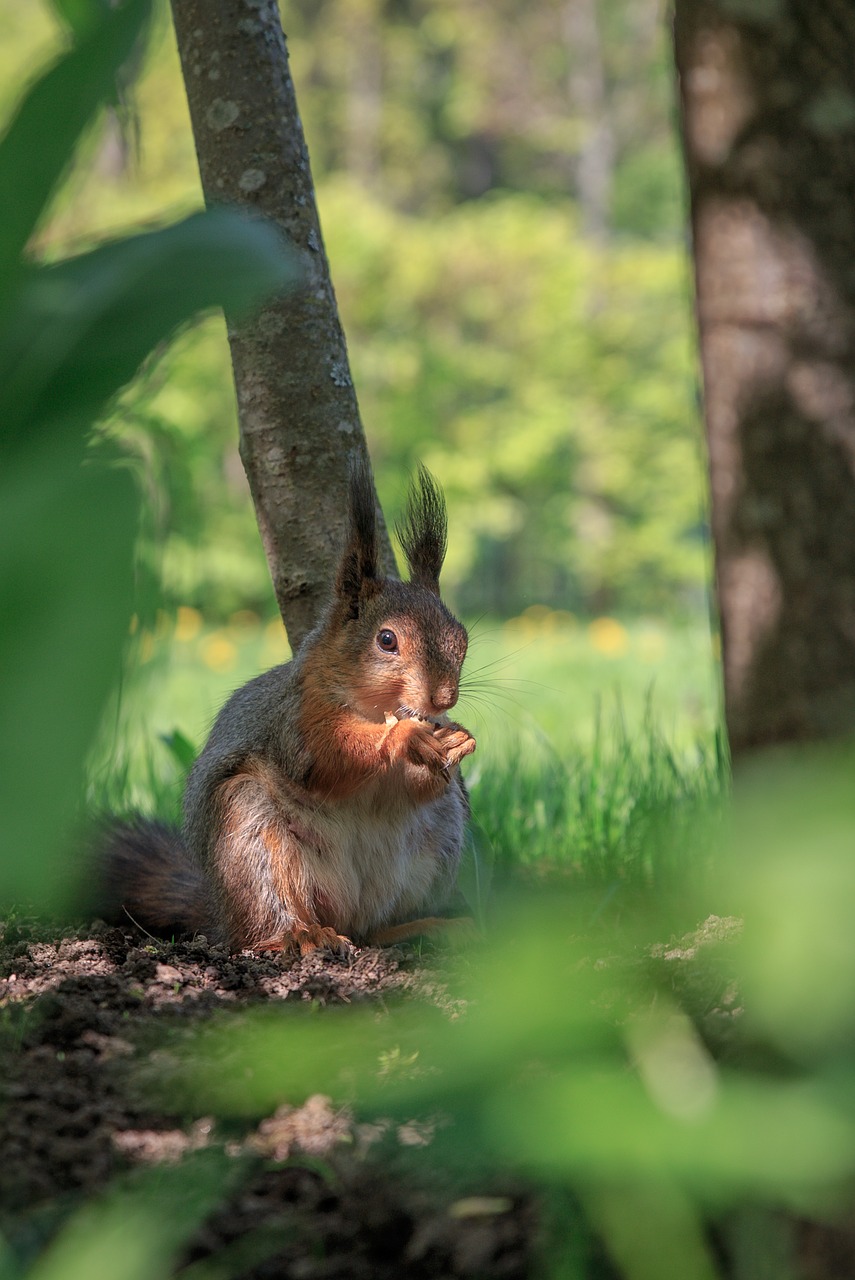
(319,1194)
(77,1018)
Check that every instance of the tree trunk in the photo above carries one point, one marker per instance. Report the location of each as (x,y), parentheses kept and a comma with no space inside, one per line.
(299,420)
(769,132)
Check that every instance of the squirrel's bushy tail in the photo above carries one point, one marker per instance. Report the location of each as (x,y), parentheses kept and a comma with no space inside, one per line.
(145,874)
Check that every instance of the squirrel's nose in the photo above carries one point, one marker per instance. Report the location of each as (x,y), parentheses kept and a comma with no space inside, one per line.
(444,696)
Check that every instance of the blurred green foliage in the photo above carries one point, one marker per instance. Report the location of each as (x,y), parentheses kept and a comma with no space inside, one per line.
(72,333)
(546,382)
(547,378)
(133,1231)
(488,102)
(670,1089)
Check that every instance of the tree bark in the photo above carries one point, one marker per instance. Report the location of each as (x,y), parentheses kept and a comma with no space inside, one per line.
(299,419)
(769,130)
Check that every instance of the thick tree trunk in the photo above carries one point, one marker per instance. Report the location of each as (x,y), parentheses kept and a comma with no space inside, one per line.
(299,419)
(769,127)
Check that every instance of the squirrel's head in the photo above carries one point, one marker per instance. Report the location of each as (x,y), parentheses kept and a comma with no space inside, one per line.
(400,647)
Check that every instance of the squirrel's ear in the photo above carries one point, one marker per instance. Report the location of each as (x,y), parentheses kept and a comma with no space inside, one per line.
(357,570)
(423,532)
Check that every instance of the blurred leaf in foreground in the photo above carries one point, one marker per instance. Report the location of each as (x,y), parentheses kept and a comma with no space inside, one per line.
(577,1064)
(71,335)
(134,1231)
(792,870)
(77,331)
(39,143)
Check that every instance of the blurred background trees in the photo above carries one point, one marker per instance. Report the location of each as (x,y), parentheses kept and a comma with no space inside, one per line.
(502,205)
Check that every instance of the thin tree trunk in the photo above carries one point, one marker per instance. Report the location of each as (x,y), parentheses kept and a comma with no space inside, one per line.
(769,129)
(299,419)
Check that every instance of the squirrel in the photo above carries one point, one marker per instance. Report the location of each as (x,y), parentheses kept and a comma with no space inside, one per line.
(326,808)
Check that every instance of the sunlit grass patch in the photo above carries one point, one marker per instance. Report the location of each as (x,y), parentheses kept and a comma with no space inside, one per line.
(624,815)
(546,676)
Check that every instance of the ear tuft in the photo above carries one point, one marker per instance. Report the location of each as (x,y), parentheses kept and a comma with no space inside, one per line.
(357,570)
(423,532)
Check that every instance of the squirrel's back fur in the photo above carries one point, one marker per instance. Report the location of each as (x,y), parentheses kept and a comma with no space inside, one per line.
(326,802)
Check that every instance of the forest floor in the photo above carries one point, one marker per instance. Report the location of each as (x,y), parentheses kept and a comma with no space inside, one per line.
(88,1019)
(321,1195)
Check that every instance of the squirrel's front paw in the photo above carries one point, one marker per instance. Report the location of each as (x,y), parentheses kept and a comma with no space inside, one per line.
(439,746)
(456,742)
(414,742)
(427,751)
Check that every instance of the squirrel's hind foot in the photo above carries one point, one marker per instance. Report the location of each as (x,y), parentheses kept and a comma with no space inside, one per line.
(302,940)
(455,931)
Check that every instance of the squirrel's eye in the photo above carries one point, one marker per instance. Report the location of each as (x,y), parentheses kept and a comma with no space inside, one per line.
(387,641)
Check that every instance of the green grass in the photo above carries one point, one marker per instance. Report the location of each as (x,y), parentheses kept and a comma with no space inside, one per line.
(547,677)
(591,809)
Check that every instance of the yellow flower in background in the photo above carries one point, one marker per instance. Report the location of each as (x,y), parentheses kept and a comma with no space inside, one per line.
(537,613)
(188,624)
(218,652)
(608,636)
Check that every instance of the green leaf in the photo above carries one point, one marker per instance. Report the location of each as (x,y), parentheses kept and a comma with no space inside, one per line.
(79,332)
(80,16)
(80,329)
(38,145)
(66,546)
(135,1229)
(182,750)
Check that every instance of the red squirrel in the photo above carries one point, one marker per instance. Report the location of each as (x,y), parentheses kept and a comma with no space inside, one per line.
(326,806)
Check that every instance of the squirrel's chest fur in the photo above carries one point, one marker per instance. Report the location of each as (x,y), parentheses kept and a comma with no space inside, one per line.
(381,868)
(366,860)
